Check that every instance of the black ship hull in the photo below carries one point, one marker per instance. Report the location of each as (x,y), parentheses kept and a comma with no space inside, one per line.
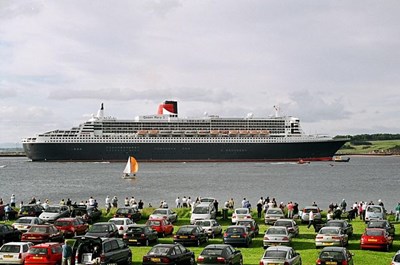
(175,152)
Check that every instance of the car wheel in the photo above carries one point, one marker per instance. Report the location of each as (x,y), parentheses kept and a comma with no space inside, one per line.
(75,234)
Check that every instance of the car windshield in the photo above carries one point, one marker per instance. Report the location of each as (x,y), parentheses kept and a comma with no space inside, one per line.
(200,210)
(374,209)
(52,209)
(235,230)
(152,222)
(335,224)
(99,228)
(370,232)
(273,254)
(160,211)
(212,252)
(273,211)
(335,255)
(62,223)
(26,209)
(158,250)
(242,211)
(36,250)
(117,222)
(10,248)
(328,231)
(276,231)
(376,224)
(136,229)
(185,230)
(311,210)
(203,223)
(38,229)
(23,221)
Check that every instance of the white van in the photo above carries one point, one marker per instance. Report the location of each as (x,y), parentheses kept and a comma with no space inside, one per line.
(374,212)
(202,211)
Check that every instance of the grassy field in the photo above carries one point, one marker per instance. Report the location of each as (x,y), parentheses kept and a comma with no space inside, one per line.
(304,243)
(376,147)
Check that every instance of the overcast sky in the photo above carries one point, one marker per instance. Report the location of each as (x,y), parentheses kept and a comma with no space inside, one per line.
(333,64)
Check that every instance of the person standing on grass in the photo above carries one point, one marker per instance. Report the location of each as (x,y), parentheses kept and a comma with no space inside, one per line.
(260,204)
(310,219)
(66,254)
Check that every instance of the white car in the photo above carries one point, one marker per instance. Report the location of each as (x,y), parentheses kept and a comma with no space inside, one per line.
(14,252)
(211,227)
(240,214)
(24,223)
(396,258)
(167,214)
(122,224)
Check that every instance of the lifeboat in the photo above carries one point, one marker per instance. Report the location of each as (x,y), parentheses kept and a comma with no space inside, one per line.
(153,132)
(142,132)
(233,132)
(190,133)
(264,132)
(203,133)
(214,132)
(243,132)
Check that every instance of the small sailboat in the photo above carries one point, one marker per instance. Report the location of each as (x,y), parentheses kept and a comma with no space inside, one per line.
(131,168)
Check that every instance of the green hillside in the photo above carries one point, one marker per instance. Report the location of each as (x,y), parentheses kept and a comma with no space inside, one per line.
(383,147)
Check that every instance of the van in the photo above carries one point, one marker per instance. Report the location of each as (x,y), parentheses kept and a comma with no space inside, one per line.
(374,212)
(202,211)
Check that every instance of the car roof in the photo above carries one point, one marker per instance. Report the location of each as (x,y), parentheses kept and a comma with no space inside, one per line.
(217,246)
(286,248)
(277,227)
(47,244)
(103,223)
(17,243)
(333,249)
(336,221)
(67,219)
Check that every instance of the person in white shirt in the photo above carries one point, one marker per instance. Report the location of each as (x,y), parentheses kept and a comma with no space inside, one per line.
(178,202)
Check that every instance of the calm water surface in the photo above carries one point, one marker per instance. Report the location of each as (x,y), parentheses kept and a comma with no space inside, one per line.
(363,178)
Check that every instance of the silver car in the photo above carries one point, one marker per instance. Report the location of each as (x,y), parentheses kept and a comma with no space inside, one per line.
(273,214)
(211,227)
(280,255)
(305,214)
(277,235)
(331,236)
(167,214)
(291,225)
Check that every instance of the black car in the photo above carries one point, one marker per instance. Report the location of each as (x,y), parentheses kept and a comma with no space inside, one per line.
(103,229)
(237,235)
(384,224)
(140,235)
(30,210)
(343,224)
(220,254)
(168,254)
(102,250)
(89,214)
(9,234)
(129,212)
(335,255)
(190,234)
(252,225)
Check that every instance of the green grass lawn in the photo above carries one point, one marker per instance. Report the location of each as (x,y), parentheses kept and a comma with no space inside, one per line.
(304,243)
(376,147)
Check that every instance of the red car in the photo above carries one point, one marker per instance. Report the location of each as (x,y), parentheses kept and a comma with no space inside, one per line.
(376,238)
(71,226)
(42,233)
(46,253)
(162,226)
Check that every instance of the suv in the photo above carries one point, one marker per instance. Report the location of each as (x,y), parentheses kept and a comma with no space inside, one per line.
(101,251)
(202,211)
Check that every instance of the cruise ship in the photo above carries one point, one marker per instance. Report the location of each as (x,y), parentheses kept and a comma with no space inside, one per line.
(165,137)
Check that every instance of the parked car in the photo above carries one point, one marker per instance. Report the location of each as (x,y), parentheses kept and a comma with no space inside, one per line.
(210,226)
(335,255)
(42,233)
(122,224)
(96,250)
(162,226)
(168,254)
(331,236)
(374,212)
(129,212)
(280,255)
(384,224)
(305,214)
(14,252)
(220,254)
(103,229)
(237,235)
(277,235)
(346,227)
(190,234)
(207,199)
(53,212)
(168,214)
(376,238)
(45,253)
(273,214)
(9,234)
(254,229)
(290,224)
(140,235)
(71,226)
(89,214)
(24,223)
(240,214)
(396,258)
(202,211)
(30,210)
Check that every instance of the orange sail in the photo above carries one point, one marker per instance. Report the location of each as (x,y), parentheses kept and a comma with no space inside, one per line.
(131,166)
